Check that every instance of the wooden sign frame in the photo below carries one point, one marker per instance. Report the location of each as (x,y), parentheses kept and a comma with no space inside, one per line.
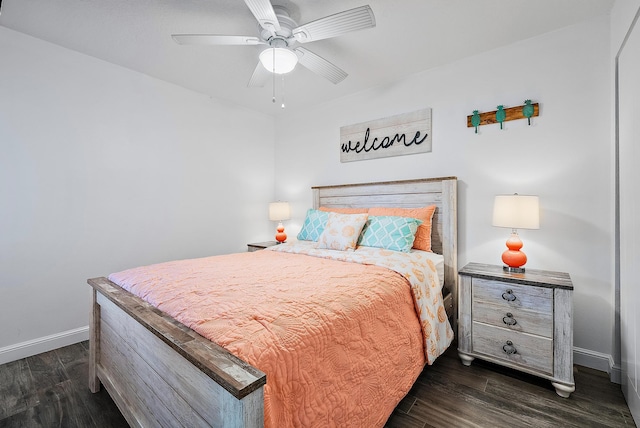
(403,134)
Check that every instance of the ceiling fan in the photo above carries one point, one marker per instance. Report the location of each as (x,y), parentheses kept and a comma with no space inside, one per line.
(282,35)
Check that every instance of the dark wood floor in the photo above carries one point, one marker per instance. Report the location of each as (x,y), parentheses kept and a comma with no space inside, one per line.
(448,394)
(50,390)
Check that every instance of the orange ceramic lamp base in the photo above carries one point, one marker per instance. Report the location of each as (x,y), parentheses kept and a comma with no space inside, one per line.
(513,258)
(281,236)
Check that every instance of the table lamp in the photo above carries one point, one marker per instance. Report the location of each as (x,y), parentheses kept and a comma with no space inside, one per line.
(279,211)
(516,212)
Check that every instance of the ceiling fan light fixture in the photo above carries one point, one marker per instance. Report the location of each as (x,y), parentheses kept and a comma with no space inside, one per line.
(285,60)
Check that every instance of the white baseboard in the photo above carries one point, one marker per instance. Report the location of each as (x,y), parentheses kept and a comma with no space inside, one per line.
(43,344)
(581,357)
(597,361)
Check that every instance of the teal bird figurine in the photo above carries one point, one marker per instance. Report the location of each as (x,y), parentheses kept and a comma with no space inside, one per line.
(475,120)
(527,110)
(501,115)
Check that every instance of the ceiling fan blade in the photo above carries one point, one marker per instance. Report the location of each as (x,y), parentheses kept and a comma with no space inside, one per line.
(264,13)
(214,39)
(259,77)
(334,25)
(319,65)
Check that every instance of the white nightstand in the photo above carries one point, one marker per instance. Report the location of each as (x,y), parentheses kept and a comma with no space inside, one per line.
(518,320)
(256,246)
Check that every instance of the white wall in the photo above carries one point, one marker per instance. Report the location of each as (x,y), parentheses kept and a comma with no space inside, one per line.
(102,169)
(564,157)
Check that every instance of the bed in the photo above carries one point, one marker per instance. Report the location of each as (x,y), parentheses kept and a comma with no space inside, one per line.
(160,372)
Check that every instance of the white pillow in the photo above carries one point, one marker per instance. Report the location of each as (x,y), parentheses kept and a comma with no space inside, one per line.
(342,231)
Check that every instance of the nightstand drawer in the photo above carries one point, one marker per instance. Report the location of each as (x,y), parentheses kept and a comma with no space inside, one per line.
(513,296)
(523,320)
(527,351)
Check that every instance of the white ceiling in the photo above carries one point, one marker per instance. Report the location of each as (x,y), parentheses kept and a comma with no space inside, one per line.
(410,36)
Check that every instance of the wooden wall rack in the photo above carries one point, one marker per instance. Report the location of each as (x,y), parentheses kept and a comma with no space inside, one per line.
(512,113)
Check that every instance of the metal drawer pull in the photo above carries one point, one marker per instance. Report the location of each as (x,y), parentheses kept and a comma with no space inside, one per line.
(509,319)
(509,296)
(509,348)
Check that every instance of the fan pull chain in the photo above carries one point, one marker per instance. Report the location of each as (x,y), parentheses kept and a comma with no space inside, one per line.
(282,92)
(273,72)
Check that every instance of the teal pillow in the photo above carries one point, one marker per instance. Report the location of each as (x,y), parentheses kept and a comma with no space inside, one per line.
(313,226)
(390,232)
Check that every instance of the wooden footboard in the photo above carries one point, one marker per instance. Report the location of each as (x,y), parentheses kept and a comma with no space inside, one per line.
(161,373)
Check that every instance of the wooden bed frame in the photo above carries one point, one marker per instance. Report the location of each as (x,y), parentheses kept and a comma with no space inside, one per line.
(161,373)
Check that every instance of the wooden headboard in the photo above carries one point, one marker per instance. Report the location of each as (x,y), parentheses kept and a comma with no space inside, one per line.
(441,192)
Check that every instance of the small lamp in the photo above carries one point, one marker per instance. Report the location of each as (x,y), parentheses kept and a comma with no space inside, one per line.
(279,211)
(517,212)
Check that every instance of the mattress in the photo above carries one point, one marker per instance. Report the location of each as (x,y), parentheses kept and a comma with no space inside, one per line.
(340,336)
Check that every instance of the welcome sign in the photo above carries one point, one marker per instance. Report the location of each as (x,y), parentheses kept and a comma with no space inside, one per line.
(404,134)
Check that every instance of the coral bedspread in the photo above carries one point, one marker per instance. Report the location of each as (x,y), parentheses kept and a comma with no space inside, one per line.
(340,342)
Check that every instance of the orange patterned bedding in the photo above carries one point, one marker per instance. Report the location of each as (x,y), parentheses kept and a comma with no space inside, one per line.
(340,342)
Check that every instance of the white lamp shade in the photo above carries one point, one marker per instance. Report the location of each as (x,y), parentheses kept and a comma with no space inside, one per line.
(279,211)
(516,211)
(285,60)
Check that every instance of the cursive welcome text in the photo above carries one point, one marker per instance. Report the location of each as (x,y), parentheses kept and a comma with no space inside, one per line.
(385,143)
